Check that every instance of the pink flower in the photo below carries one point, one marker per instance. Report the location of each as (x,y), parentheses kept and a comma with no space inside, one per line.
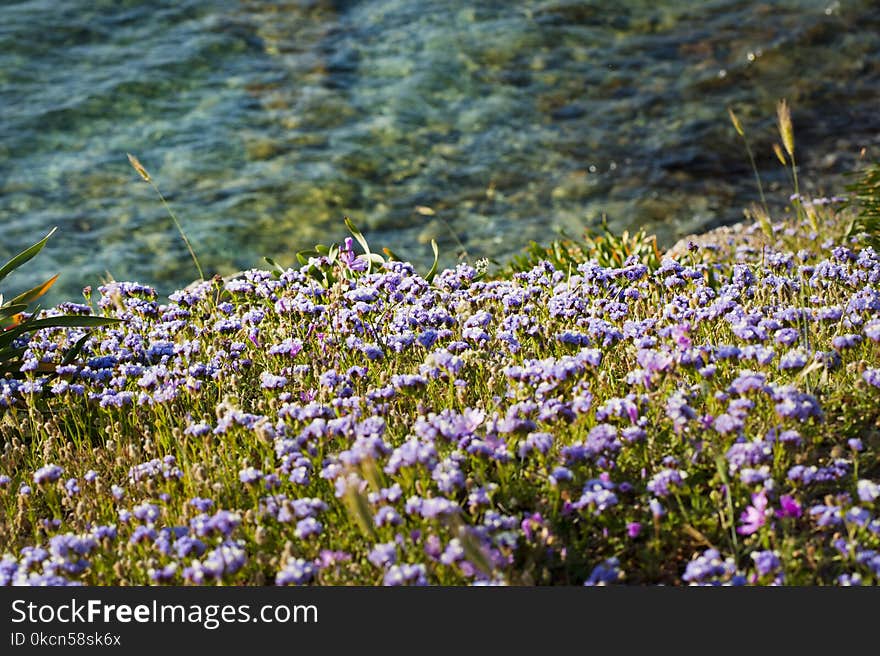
(788,507)
(755,516)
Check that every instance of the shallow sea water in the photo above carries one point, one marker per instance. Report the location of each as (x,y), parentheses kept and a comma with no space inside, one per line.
(264,123)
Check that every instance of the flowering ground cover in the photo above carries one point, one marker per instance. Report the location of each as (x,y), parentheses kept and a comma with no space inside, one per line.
(711,419)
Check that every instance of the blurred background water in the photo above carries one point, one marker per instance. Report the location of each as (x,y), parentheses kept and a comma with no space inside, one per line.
(264,123)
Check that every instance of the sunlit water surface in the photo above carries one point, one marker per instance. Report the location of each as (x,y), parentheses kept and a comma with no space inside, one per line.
(265,123)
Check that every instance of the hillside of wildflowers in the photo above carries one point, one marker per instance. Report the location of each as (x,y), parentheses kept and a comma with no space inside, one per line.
(711,419)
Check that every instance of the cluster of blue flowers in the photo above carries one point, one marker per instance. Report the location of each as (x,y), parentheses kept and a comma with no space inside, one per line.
(708,422)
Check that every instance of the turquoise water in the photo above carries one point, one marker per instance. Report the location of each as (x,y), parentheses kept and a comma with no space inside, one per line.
(264,123)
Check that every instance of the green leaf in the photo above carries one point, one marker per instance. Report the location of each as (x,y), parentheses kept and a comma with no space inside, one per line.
(35,292)
(9,309)
(391,255)
(360,239)
(11,333)
(74,321)
(9,353)
(316,273)
(74,351)
(24,256)
(65,321)
(274,264)
(357,235)
(433,271)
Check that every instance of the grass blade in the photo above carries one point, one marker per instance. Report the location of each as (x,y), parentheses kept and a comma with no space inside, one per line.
(430,276)
(66,321)
(24,256)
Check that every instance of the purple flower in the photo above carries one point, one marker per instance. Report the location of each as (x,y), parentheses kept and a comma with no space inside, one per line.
(308,527)
(752,476)
(434,507)
(791,403)
(48,474)
(596,495)
(433,547)
(163,574)
(795,359)
(143,534)
(531,523)
(633,434)
(406,574)
(199,429)
(747,381)
(679,411)
(328,558)
(657,509)
(786,336)
(146,512)
(813,474)
(788,507)
(222,522)
(709,569)
(766,562)
(868,491)
(790,437)
(755,516)
(827,515)
(665,481)
(633,529)
(845,341)
(349,259)
(250,475)
(605,573)
(383,555)
(200,504)
(540,442)
(185,546)
(560,474)
(654,361)
(708,371)
(747,454)
(271,381)
(726,423)
(296,571)
(872,376)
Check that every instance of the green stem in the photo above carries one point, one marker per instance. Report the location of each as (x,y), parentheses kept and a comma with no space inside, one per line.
(731,517)
(179,229)
(797,193)
(757,176)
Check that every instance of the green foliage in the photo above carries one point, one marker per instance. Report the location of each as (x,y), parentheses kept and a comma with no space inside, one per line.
(15,322)
(866,191)
(604,246)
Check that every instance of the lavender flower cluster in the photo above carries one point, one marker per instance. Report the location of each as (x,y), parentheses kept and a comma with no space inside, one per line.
(708,422)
